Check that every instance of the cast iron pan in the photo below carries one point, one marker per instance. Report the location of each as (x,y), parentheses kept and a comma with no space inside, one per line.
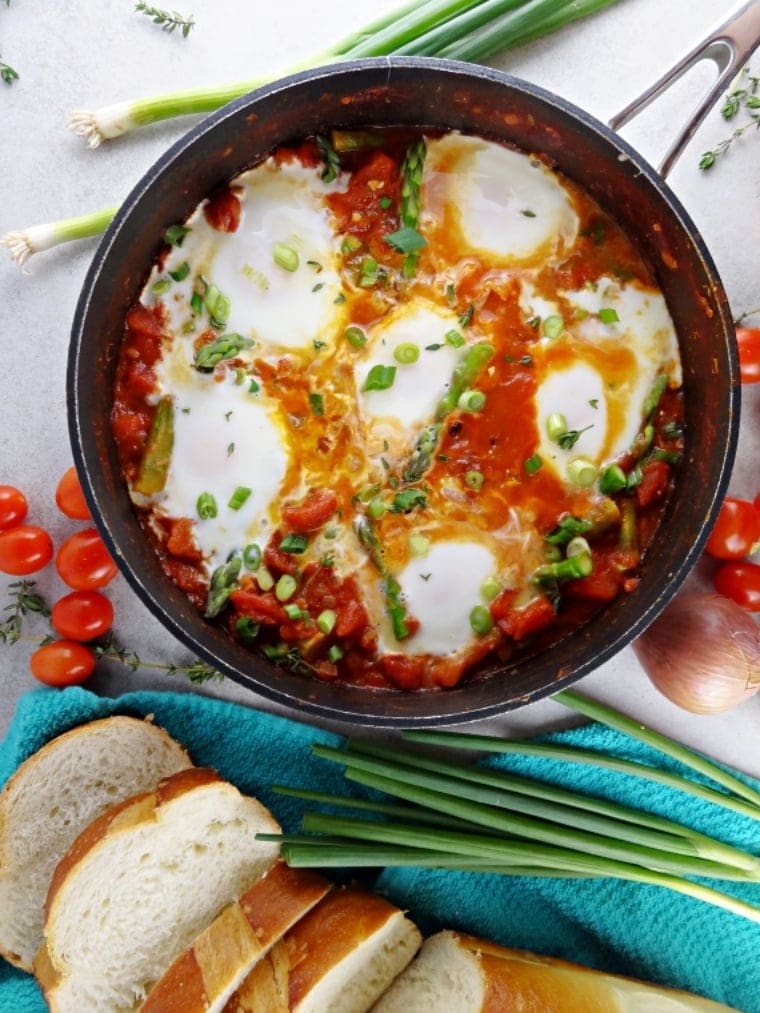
(443,94)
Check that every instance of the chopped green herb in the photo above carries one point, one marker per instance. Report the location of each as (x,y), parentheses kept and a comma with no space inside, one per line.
(317,404)
(318,286)
(434,347)
(196,303)
(330,159)
(528,213)
(205,506)
(181,272)
(407,500)
(295,544)
(161,286)
(230,449)
(253,387)
(319,345)
(594,402)
(239,496)
(385,203)
(608,315)
(339,299)
(466,318)
(380,377)
(451,294)
(526,360)
(406,240)
(534,322)
(613,479)
(175,234)
(533,464)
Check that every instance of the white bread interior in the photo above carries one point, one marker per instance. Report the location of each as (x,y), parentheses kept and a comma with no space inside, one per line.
(204,976)
(141,883)
(457,973)
(340,957)
(54,795)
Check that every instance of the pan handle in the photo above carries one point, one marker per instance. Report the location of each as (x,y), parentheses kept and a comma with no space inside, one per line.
(729,46)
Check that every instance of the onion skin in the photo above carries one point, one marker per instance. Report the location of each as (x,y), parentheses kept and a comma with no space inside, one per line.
(702,653)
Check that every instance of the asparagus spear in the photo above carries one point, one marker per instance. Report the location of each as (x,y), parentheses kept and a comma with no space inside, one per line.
(154,466)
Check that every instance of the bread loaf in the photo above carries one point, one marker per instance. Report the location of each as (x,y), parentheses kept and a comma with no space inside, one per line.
(340,957)
(457,973)
(53,796)
(203,978)
(141,882)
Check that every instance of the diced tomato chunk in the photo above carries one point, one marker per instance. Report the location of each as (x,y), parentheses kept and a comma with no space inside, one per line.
(312,512)
(144,321)
(222,211)
(276,560)
(520,622)
(351,618)
(181,541)
(655,477)
(262,608)
(406,671)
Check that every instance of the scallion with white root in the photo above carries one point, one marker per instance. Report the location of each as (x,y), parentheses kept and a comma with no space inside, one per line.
(448,814)
(470,30)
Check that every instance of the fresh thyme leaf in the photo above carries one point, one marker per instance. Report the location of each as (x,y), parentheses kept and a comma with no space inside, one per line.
(568,439)
(168,20)
(7,73)
(743,97)
(330,159)
(24,599)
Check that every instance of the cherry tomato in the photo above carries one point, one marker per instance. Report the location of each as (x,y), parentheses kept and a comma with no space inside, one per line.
(748,342)
(83,561)
(82,615)
(24,549)
(736,530)
(62,663)
(69,497)
(13,507)
(740,581)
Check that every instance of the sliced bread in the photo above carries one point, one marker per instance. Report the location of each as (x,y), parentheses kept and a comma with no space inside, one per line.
(141,882)
(457,973)
(340,957)
(204,976)
(53,796)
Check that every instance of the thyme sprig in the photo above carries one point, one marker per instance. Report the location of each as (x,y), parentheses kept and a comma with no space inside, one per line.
(168,20)
(743,96)
(7,73)
(197,672)
(24,599)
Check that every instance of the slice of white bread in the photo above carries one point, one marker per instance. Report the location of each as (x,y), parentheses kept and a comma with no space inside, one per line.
(141,882)
(340,957)
(457,973)
(53,796)
(204,976)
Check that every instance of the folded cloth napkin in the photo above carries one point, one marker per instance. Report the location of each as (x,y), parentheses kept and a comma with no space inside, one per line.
(625,928)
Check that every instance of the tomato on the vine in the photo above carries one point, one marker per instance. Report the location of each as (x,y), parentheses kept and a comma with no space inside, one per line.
(62,663)
(83,561)
(748,342)
(741,582)
(736,530)
(24,549)
(82,615)
(13,507)
(69,497)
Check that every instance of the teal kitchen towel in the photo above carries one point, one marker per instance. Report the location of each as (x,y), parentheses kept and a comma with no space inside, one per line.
(625,928)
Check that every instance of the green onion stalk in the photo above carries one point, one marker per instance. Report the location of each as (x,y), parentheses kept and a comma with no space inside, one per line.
(469,30)
(441,812)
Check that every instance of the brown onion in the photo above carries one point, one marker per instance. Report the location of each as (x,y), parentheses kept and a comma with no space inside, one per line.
(703,653)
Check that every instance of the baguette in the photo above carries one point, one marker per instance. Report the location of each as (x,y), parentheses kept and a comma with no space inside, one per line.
(53,796)
(141,882)
(457,973)
(203,978)
(340,957)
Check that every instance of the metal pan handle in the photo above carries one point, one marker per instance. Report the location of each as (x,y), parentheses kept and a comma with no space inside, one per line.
(729,46)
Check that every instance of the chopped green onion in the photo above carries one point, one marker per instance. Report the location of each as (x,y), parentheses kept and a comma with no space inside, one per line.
(406,240)
(285,587)
(613,479)
(205,506)
(480,620)
(181,272)
(227,346)
(556,426)
(533,464)
(326,621)
(196,303)
(406,353)
(355,336)
(385,203)
(419,545)
(294,544)
(252,556)
(474,480)
(264,579)
(239,496)
(455,339)
(608,315)
(406,501)
(376,508)
(161,286)
(223,582)
(582,471)
(490,588)
(380,377)
(350,245)
(553,326)
(335,653)
(471,401)
(370,270)
(246,628)
(567,529)
(175,234)
(285,256)
(293,611)
(564,569)
(577,546)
